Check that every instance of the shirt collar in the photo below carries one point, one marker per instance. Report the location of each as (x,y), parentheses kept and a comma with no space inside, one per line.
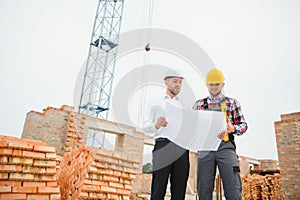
(217,98)
(168,97)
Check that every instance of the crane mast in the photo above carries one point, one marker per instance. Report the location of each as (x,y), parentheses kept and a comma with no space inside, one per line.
(100,64)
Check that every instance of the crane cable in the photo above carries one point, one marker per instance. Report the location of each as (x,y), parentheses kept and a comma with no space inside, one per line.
(144,76)
(150,16)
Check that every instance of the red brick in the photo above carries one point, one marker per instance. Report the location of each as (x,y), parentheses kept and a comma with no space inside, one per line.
(107,189)
(97,196)
(117,173)
(30,154)
(3,176)
(132,176)
(12,196)
(38,197)
(92,169)
(94,182)
(3,143)
(110,178)
(88,182)
(34,170)
(33,184)
(43,148)
(128,187)
(44,163)
(3,159)
(55,197)
(90,188)
(112,196)
(51,184)
(24,190)
(83,195)
(5,151)
(10,183)
(19,144)
(5,189)
(116,185)
(20,176)
(39,177)
(48,190)
(123,191)
(20,161)
(10,168)
(17,152)
(50,156)
(125,181)
(50,170)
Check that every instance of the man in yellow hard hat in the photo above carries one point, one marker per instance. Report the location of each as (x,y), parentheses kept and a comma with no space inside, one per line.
(225,157)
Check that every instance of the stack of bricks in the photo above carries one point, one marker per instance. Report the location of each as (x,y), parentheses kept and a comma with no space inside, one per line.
(273,183)
(288,147)
(261,187)
(93,173)
(27,170)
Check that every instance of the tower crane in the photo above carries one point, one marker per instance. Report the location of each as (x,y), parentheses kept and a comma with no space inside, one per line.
(100,65)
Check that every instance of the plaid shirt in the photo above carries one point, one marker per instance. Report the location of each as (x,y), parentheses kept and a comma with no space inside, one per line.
(233,110)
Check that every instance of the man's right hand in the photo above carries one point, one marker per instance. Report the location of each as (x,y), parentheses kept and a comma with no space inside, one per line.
(161,122)
(222,135)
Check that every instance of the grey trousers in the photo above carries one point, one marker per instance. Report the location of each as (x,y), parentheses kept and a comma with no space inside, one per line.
(227,161)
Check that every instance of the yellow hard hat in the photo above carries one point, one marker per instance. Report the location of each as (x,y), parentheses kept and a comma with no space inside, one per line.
(214,76)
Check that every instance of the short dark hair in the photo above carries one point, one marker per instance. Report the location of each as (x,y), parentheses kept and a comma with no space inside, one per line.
(172,77)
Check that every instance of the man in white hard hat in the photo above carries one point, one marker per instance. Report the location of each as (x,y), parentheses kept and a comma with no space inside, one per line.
(169,160)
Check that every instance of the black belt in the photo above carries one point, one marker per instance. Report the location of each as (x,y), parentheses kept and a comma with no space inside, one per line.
(162,140)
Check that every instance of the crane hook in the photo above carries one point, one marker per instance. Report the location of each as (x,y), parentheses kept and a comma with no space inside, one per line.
(147,47)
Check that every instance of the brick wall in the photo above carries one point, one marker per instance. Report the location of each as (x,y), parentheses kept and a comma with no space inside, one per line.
(268,164)
(50,127)
(133,145)
(288,145)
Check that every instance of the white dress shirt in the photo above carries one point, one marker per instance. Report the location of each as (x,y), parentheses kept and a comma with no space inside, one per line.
(158,109)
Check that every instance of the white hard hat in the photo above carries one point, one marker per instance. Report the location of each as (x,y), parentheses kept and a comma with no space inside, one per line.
(172,73)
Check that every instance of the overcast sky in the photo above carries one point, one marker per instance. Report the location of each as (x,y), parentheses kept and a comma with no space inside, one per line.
(256,43)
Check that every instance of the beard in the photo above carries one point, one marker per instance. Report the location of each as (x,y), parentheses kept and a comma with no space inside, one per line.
(215,93)
(174,91)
